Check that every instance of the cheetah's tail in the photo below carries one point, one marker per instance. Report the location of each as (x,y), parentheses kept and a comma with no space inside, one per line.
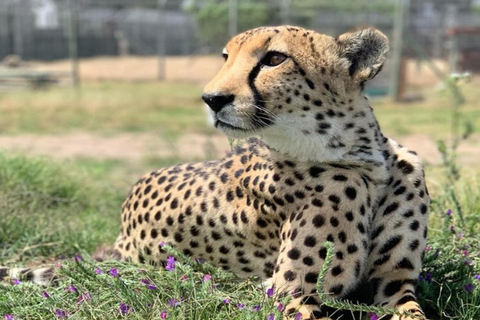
(45,276)
(39,276)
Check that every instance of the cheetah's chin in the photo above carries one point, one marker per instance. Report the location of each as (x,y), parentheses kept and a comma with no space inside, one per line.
(233,131)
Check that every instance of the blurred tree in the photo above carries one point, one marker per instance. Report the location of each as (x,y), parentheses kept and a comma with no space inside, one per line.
(306,10)
(212,18)
(345,5)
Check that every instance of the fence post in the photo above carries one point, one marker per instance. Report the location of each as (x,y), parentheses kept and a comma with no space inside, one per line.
(397,55)
(161,39)
(72,42)
(285,11)
(453,53)
(18,12)
(232,18)
(9,28)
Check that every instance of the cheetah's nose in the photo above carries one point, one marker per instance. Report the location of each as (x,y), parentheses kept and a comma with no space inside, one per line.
(217,101)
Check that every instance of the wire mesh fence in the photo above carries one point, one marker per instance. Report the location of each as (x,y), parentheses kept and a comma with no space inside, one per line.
(143,33)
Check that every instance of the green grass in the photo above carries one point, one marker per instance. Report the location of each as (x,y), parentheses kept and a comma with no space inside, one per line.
(90,290)
(431,117)
(48,210)
(104,108)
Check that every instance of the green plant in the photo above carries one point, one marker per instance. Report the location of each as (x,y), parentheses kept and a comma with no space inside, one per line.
(212,18)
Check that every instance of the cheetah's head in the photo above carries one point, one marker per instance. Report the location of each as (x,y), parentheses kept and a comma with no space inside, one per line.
(301,91)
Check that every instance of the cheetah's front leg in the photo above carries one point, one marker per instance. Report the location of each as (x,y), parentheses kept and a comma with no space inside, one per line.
(398,240)
(302,254)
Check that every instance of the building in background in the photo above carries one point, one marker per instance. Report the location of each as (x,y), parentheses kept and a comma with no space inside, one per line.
(46,14)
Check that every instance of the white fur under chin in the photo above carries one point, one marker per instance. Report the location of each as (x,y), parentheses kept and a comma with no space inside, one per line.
(286,137)
(305,150)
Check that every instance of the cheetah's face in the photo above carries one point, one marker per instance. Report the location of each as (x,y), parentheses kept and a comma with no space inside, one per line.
(276,80)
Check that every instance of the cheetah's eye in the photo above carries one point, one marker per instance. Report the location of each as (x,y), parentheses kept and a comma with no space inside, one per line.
(273,58)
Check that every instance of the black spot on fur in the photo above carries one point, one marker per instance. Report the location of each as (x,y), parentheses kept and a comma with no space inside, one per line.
(294,254)
(390,244)
(405,167)
(351,193)
(392,287)
(405,263)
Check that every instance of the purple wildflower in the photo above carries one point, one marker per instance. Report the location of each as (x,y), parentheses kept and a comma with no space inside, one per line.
(145,281)
(449,212)
(226,301)
(113,272)
(162,244)
(170,263)
(420,278)
(469,287)
(477,277)
(45,294)
(372,316)
(71,288)
(271,316)
(9,317)
(124,309)
(240,305)
(61,314)
(207,278)
(280,307)
(98,271)
(16,282)
(152,287)
(256,308)
(428,277)
(270,292)
(163,314)
(84,297)
(298,316)
(78,258)
(173,302)
(468,263)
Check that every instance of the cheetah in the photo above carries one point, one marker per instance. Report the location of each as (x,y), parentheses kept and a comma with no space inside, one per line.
(315,167)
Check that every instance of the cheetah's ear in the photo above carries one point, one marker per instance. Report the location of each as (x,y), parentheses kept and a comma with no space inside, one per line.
(365,50)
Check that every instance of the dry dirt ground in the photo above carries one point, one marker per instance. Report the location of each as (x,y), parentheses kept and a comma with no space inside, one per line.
(135,148)
(199,69)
